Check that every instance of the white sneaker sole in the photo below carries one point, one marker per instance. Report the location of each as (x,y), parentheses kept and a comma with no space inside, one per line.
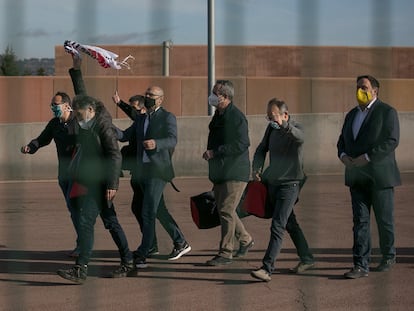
(141,266)
(184,251)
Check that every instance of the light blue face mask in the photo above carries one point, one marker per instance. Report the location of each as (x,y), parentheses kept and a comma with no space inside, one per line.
(274,125)
(57,110)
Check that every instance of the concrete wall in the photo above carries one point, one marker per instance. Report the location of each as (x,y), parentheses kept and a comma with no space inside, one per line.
(321,130)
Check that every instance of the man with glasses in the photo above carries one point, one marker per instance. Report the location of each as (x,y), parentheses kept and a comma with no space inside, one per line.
(283,140)
(156,136)
(58,129)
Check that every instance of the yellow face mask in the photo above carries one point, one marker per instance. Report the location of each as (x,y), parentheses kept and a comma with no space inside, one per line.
(363,97)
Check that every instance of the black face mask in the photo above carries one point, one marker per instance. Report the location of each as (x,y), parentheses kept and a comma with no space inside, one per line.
(149,103)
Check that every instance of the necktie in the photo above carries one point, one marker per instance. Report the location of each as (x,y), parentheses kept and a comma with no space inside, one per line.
(145,157)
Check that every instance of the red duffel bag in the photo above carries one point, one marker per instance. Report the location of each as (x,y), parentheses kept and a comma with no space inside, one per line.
(255,200)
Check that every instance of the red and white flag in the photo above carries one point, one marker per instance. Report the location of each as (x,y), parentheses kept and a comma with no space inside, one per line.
(105,58)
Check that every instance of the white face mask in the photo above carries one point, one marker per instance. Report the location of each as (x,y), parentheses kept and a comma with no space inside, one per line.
(85,123)
(213,100)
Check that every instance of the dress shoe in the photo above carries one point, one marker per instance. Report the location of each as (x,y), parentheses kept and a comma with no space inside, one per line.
(385,265)
(356,273)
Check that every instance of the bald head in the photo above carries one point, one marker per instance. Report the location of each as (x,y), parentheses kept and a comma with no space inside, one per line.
(156,94)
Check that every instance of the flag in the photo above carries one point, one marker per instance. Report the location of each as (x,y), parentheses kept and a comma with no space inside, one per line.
(105,58)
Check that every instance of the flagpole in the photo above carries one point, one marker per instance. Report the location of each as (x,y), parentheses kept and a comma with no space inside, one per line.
(116,88)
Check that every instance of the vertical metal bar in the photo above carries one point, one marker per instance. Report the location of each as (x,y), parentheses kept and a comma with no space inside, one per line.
(211,53)
(15,238)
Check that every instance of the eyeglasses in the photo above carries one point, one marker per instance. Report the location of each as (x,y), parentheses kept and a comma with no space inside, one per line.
(152,94)
(270,118)
(56,104)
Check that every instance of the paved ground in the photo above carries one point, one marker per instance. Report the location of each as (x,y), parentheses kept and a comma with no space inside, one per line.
(36,233)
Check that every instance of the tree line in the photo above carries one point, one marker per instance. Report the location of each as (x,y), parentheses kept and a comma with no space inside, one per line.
(11,66)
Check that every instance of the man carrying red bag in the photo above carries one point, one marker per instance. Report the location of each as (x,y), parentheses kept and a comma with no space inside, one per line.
(283,140)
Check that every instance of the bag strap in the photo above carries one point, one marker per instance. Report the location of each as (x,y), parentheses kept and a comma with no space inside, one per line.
(174,186)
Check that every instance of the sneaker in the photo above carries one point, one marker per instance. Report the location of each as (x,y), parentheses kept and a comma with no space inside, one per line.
(76,274)
(261,275)
(385,265)
(356,273)
(178,252)
(244,249)
(124,270)
(218,261)
(140,263)
(153,251)
(302,267)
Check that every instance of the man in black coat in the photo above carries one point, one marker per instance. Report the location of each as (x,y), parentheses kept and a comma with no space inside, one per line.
(366,146)
(229,169)
(94,178)
(59,129)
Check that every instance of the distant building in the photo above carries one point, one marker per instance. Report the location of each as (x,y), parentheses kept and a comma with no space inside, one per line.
(35,66)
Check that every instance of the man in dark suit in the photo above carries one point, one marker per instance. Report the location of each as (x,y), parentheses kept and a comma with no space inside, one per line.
(156,136)
(366,146)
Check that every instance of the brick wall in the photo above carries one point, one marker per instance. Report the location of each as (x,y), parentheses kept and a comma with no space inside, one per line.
(309,79)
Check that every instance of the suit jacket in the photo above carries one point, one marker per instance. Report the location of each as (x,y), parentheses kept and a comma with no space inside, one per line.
(163,129)
(378,137)
(130,111)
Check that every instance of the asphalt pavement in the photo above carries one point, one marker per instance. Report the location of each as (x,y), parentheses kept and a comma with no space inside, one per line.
(36,235)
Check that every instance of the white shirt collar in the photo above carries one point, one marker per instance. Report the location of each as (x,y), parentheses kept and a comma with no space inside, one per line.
(369,105)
